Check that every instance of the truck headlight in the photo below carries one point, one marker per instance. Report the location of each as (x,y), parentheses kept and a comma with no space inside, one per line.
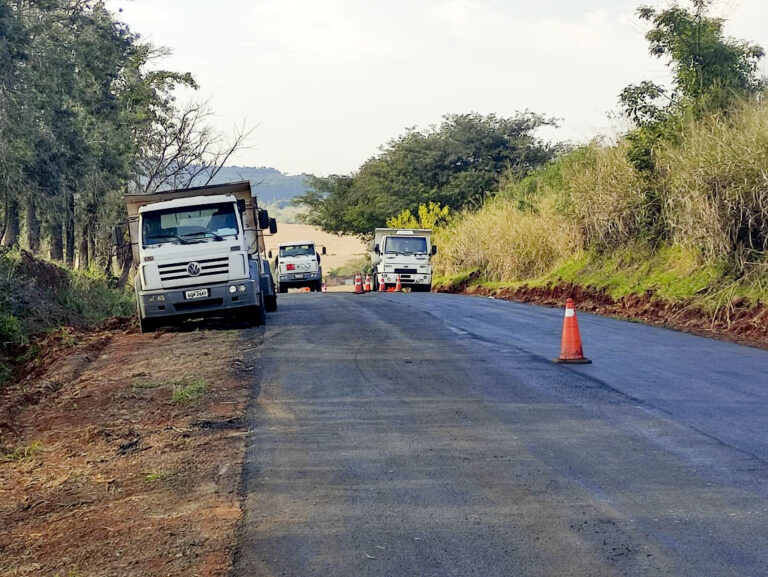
(241,288)
(232,289)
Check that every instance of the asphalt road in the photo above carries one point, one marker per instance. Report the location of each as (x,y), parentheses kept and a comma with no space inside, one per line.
(431,435)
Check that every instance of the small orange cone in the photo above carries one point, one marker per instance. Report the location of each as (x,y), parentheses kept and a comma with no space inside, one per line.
(367,287)
(398,285)
(382,285)
(570,347)
(358,284)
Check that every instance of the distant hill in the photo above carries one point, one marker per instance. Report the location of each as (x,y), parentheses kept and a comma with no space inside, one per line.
(271,186)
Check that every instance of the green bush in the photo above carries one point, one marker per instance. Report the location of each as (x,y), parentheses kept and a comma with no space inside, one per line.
(11,330)
(90,295)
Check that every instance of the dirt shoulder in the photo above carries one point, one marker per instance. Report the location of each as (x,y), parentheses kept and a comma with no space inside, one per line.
(121,454)
(739,322)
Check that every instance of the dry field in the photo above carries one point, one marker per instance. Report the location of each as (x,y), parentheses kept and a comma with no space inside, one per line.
(340,249)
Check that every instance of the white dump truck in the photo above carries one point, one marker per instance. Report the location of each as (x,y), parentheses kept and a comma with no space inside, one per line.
(405,253)
(297,265)
(200,252)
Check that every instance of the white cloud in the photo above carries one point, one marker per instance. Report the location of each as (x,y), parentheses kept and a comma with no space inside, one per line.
(328,81)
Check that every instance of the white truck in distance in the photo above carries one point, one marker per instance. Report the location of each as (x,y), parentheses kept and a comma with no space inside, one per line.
(199,253)
(404,253)
(297,265)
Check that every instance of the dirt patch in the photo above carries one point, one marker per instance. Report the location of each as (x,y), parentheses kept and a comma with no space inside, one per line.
(121,454)
(739,322)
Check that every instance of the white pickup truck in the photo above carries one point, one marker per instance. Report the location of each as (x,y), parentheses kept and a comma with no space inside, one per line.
(198,253)
(403,253)
(297,265)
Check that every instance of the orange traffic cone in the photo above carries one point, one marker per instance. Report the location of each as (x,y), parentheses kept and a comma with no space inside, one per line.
(367,287)
(358,284)
(382,285)
(398,285)
(570,348)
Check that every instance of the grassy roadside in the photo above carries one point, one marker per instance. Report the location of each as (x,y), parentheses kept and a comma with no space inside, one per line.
(690,228)
(39,296)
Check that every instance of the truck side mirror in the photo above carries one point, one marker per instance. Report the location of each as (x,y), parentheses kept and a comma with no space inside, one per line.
(272,226)
(376,249)
(434,249)
(269,254)
(241,205)
(117,236)
(323,250)
(263,219)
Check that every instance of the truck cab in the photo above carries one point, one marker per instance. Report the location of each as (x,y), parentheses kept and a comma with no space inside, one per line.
(403,253)
(297,265)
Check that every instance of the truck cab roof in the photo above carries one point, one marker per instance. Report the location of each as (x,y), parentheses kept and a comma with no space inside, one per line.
(182,202)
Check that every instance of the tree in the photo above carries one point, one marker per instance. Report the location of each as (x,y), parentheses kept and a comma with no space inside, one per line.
(710,70)
(456,165)
(430,215)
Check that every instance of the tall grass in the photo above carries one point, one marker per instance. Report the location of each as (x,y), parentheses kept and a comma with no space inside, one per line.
(504,243)
(605,196)
(716,187)
(694,227)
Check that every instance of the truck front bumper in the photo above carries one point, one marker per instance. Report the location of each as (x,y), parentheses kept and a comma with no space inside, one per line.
(221,299)
(390,278)
(299,279)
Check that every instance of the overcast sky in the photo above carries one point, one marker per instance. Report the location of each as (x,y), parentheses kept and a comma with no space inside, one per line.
(326,82)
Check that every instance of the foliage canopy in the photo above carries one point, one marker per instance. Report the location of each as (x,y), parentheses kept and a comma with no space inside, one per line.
(456,164)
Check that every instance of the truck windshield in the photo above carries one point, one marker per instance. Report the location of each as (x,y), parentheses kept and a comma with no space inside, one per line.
(297,250)
(405,245)
(187,223)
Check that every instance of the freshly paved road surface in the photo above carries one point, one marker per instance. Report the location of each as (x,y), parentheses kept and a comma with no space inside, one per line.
(431,435)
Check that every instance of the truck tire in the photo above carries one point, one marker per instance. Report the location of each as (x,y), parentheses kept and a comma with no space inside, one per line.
(270,303)
(282,289)
(147,325)
(257,315)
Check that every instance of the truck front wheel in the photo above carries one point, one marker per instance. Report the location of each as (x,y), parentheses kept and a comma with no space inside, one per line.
(257,315)
(147,325)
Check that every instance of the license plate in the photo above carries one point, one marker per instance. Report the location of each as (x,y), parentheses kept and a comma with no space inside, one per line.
(196,294)
(298,276)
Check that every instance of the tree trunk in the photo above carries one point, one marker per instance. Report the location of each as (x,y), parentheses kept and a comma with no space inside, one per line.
(57,247)
(11,234)
(127,265)
(82,250)
(69,223)
(33,227)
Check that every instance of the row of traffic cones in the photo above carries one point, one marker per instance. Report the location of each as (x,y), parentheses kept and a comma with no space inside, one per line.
(361,288)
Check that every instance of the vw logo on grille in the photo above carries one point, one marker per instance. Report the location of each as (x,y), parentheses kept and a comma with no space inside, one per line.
(193,269)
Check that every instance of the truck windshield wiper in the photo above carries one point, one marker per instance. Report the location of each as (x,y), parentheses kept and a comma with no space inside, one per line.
(173,236)
(204,232)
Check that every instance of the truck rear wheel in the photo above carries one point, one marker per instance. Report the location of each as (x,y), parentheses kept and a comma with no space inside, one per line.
(270,302)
